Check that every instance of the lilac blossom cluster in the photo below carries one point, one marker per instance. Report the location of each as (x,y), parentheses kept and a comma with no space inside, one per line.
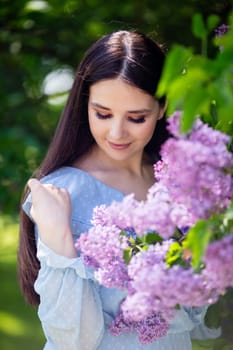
(103,248)
(154,289)
(159,213)
(221,30)
(148,330)
(202,158)
(218,263)
(174,286)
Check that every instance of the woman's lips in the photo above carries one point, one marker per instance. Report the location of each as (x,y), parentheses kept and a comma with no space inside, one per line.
(119,146)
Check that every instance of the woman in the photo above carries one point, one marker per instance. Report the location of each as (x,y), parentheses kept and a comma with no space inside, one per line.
(104,148)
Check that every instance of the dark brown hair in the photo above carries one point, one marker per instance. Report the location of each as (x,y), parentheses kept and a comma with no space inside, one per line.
(133,57)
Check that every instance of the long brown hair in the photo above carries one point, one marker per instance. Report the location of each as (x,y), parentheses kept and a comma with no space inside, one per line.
(135,58)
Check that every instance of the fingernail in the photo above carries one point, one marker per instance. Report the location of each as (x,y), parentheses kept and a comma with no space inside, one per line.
(32,182)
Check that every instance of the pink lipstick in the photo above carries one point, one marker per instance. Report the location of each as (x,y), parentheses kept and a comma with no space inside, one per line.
(119,146)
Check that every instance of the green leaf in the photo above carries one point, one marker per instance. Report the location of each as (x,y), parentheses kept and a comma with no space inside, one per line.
(152,238)
(192,106)
(127,255)
(178,235)
(212,22)
(228,218)
(174,255)
(197,240)
(198,26)
(131,240)
(123,233)
(174,67)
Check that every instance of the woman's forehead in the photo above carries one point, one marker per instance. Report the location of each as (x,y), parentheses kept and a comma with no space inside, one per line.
(114,91)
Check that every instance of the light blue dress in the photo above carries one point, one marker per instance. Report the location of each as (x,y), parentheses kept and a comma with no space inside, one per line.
(75,310)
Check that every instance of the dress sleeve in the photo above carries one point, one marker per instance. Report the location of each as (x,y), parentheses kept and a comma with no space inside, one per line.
(200,330)
(192,319)
(70,308)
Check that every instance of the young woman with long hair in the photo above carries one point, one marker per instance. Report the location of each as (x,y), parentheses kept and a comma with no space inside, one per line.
(104,147)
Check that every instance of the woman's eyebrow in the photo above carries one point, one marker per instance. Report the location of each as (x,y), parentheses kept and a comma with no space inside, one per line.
(138,111)
(141,111)
(95,104)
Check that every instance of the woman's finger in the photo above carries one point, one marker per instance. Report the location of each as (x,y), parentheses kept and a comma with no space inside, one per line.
(33,184)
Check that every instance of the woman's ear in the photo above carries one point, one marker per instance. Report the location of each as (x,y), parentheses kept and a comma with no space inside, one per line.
(162,109)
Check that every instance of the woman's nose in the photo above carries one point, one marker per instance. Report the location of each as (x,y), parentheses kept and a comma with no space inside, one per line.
(117,130)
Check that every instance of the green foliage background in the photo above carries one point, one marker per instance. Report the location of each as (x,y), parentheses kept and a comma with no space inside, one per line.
(36,38)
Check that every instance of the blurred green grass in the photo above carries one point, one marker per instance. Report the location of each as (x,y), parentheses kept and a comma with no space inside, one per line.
(19,325)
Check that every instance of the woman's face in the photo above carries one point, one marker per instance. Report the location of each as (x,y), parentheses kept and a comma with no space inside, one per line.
(122,118)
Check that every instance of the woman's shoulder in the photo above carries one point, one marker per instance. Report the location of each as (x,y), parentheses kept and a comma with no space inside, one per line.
(82,186)
(67,177)
(78,183)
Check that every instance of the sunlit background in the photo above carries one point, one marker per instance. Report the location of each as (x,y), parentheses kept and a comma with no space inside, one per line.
(41,43)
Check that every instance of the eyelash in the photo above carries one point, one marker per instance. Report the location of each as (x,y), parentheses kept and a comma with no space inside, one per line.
(102,116)
(136,121)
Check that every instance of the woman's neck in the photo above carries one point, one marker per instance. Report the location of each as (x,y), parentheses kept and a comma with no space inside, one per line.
(97,160)
(128,177)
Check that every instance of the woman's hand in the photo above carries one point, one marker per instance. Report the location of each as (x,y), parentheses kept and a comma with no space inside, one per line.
(51,209)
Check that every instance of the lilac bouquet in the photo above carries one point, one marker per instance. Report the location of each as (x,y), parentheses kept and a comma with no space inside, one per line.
(176,247)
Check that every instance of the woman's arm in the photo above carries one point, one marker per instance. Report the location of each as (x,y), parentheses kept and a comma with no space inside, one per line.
(70,308)
(51,209)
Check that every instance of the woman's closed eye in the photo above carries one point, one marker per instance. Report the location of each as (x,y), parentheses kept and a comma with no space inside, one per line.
(102,116)
(137,120)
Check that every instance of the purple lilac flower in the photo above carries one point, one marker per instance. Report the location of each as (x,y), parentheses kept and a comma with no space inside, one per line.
(165,214)
(113,275)
(120,325)
(151,328)
(154,290)
(221,30)
(202,158)
(100,215)
(174,124)
(118,213)
(218,264)
(157,288)
(103,246)
(159,212)
(148,330)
